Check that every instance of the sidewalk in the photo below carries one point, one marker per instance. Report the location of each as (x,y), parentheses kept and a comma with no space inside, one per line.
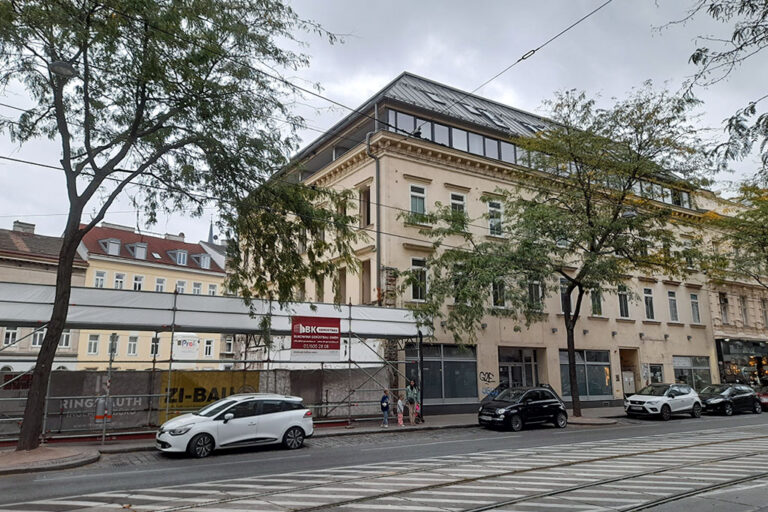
(59,456)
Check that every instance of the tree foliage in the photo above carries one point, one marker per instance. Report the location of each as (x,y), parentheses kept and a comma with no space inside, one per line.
(580,217)
(185,102)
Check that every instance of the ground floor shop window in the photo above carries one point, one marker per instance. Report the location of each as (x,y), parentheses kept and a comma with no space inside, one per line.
(517,367)
(693,371)
(656,373)
(593,374)
(744,361)
(450,372)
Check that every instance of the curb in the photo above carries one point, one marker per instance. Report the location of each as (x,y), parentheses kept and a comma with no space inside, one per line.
(74,461)
(597,422)
(352,432)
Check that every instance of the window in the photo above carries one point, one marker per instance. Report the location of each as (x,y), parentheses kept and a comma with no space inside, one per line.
(508,152)
(458,202)
(423,129)
(494,218)
(204,261)
(492,148)
(764,311)
(160,284)
(471,109)
(138,283)
(434,97)
(442,134)
(673,316)
(593,374)
(119,280)
(140,251)
(744,311)
(64,340)
(211,289)
(459,139)
(98,281)
(228,345)
(565,298)
(648,301)
(419,283)
(597,302)
(722,300)
(535,295)
(181,286)
(476,143)
(497,292)
(686,199)
(494,119)
(11,333)
(93,344)
(695,312)
(181,257)
(38,337)
(197,288)
(340,295)
(154,347)
(623,295)
(405,122)
(113,247)
(364,198)
(449,372)
(133,344)
(208,348)
(245,409)
(418,200)
(656,373)
(692,371)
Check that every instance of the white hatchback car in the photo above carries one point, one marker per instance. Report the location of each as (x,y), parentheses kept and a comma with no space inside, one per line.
(238,420)
(663,400)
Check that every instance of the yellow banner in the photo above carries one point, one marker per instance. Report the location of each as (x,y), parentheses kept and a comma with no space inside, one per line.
(190,390)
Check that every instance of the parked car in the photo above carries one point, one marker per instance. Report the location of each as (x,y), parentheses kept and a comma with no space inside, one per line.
(238,420)
(663,400)
(729,398)
(762,395)
(514,408)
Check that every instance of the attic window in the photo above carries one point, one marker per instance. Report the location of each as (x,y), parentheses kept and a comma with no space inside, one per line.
(181,257)
(113,247)
(139,250)
(494,119)
(156,256)
(203,260)
(471,109)
(434,97)
(532,127)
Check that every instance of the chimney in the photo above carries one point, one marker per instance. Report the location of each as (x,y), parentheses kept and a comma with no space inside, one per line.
(176,238)
(24,227)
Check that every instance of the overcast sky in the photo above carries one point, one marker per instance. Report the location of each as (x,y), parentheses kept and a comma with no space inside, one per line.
(458,43)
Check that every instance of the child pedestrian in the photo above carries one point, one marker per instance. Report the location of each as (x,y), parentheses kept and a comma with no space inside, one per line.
(400,409)
(385,409)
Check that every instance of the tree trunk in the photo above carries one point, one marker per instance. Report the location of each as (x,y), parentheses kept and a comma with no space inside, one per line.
(31,427)
(572,377)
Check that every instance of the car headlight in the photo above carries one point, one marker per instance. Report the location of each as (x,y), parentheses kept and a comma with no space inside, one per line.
(500,411)
(652,402)
(716,400)
(179,431)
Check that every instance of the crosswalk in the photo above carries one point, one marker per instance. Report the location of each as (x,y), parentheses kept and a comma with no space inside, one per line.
(593,476)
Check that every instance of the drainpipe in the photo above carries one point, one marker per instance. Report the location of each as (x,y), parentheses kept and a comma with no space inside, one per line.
(377,181)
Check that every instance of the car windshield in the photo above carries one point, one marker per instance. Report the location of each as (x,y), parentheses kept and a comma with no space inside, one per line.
(511,395)
(715,389)
(214,408)
(653,390)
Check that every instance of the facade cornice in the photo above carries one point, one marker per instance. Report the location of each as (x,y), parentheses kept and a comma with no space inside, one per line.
(147,264)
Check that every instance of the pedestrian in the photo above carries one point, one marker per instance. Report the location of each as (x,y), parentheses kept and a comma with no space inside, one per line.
(400,409)
(385,409)
(412,397)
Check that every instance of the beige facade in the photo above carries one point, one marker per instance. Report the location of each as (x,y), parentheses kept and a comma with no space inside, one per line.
(26,257)
(623,345)
(137,350)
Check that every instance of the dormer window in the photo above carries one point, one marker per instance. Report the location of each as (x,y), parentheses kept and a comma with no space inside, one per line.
(205,261)
(181,257)
(111,246)
(139,250)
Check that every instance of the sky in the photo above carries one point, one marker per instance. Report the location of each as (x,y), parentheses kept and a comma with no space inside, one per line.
(458,43)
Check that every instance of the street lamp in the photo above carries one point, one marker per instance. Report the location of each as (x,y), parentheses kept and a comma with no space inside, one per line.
(62,68)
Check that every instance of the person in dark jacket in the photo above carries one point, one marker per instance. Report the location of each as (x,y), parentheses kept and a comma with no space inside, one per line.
(412,397)
(385,409)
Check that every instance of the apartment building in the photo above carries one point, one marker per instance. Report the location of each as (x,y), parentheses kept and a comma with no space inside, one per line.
(26,257)
(123,259)
(417,142)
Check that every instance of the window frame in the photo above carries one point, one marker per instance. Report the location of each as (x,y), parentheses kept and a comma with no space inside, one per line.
(648,304)
(422,283)
(495,218)
(10,336)
(66,334)
(458,202)
(94,340)
(208,348)
(674,313)
(622,295)
(212,288)
(138,279)
(181,289)
(160,284)
(418,195)
(197,288)
(99,279)
(120,280)
(596,299)
(695,311)
(744,310)
(132,346)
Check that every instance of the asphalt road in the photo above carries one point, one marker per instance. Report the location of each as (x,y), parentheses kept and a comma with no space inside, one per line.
(147,470)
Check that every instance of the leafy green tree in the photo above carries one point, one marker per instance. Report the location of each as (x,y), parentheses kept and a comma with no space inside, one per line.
(183,100)
(584,219)
(718,57)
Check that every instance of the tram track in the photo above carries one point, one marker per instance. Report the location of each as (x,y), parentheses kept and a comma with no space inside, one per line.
(348,481)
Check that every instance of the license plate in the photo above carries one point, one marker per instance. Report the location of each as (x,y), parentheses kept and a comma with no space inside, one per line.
(635,408)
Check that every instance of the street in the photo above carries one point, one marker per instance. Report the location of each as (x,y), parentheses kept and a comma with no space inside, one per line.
(712,463)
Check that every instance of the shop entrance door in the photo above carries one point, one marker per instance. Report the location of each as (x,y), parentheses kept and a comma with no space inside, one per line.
(517,367)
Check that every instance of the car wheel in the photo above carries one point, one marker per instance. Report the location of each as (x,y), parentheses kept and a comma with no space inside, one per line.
(201,446)
(293,438)
(515,423)
(728,409)
(696,411)
(666,412)
(757,408)
(561,420)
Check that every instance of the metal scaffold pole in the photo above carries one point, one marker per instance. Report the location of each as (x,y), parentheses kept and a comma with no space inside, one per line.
(349,368)
(107,406)
(170,357)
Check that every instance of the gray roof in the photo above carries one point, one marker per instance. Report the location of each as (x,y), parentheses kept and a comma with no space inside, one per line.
(422,93)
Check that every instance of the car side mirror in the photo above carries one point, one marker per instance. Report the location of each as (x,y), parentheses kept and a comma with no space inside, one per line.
(228,417)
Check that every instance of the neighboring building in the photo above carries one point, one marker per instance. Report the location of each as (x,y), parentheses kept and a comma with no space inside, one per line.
(120,258)
(26,257)
(462,150)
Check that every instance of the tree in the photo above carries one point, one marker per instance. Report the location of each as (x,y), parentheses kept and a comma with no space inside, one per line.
(588,216)
(182,99)
(718,57)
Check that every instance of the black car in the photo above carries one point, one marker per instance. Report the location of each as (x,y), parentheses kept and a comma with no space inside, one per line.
(515,407)
(729,398)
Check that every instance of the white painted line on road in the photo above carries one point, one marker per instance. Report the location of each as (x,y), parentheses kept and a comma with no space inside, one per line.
(439,442)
